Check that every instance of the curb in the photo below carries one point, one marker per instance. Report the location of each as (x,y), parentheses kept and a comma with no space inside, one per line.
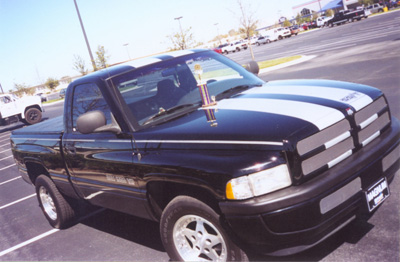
(280,66)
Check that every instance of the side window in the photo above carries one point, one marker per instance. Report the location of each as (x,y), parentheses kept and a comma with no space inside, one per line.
(5,100)
(86,98)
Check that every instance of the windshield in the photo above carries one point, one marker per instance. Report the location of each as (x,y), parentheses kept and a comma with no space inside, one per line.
(153,90)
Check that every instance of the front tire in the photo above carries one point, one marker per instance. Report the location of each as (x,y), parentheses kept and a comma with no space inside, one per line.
(191,231)
(33,116)
(56,209)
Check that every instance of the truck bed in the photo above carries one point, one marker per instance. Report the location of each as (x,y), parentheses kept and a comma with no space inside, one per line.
(49,127)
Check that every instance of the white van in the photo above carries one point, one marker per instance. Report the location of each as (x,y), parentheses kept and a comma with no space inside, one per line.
(278,33)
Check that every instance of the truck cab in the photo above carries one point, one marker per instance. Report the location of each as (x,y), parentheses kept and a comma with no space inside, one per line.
(27,109)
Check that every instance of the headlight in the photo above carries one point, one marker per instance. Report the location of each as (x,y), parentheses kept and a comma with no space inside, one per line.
(259,183)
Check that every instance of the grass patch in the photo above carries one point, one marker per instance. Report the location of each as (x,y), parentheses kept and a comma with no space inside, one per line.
(51,101)
(278,61)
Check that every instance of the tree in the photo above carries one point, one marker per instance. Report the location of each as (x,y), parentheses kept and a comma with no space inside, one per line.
(329,13)
(248,23)
(232,32)
(52,83)
(287,23)
(182,40)
(101,57)
(79,65)
(22,89)
(298,19)
(314,16)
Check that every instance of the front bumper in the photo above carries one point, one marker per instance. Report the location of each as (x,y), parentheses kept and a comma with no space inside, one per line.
(294,219)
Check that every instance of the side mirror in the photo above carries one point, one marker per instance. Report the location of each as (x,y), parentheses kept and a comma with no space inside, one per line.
(95,122)
(252,67)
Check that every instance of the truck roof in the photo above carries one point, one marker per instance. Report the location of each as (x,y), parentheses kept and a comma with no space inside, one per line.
(137,63)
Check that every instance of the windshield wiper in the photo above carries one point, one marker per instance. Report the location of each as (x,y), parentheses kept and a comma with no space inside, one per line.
(234,90)
(163,112)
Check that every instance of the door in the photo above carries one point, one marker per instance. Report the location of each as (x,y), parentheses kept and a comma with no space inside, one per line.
(101,164)
(8,106)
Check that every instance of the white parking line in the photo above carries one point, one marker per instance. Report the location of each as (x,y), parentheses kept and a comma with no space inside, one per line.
(2,253)
(1,169)
(7,139)
(17,201)
(48,233)
(8,144)
(5,134)
(8,181)
(5,151)
(6,158)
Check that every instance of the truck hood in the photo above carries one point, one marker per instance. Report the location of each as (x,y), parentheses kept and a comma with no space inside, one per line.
(276,114)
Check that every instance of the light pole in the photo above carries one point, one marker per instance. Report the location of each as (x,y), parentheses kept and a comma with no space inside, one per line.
(180,26)
(127,50)
(84,35)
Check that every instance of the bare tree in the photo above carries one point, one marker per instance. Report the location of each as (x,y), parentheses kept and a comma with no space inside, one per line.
(182,40)
(248,24)
(79,65)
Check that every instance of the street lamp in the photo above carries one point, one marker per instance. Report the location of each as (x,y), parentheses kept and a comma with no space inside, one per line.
(127,50)
(84,35)
(180,26)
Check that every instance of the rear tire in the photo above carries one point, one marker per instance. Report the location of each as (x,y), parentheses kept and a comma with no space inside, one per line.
(56,209)
(191,231)
(33,116)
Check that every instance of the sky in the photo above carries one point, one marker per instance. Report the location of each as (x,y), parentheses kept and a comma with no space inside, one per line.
(39,38)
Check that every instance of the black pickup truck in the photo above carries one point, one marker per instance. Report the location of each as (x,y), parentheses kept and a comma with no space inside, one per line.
(225,162)
(345,16)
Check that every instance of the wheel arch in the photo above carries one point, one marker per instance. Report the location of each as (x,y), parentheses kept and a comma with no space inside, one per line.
(161,193)
(34,169)
(22,116)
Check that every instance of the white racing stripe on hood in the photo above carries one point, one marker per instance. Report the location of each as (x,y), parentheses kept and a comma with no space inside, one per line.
(355,99)
(320,116)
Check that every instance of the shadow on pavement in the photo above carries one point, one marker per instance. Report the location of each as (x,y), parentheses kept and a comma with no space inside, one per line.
(140,231)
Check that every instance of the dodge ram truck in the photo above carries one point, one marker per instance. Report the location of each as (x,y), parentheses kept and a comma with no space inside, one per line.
(227,163)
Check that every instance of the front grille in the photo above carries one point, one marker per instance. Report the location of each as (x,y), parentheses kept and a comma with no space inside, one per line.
(371,120)
(334,144)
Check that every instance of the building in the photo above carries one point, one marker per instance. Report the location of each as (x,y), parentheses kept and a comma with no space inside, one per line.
(313,6)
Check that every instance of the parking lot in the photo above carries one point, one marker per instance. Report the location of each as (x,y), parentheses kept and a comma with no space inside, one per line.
(365,52)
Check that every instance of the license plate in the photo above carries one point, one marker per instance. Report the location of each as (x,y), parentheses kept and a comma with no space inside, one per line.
(377,193)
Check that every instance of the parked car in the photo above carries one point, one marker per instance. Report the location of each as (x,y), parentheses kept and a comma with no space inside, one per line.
(309,25)
(294,30)
(62,92)
(375,8)
(240,45)
(283,32)
(265,40)
(217,49)
(226,48)
(252,40)
(323,20)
